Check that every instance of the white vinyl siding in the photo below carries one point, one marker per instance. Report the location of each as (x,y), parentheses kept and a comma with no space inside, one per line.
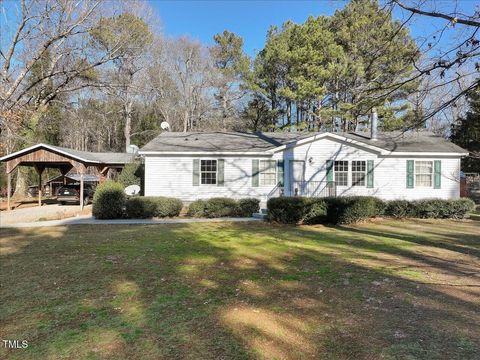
(171,175)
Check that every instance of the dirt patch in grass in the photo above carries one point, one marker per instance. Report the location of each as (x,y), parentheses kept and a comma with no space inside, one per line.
(385,290)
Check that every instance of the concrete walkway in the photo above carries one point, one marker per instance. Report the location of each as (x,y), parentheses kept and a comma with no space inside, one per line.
(89,220)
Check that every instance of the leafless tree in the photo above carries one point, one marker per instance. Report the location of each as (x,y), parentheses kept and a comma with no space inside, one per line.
(181,77)
(55,29)
(450,64)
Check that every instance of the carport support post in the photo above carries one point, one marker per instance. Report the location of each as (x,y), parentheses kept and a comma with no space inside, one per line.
(9,189)
(81,191)
(39,171)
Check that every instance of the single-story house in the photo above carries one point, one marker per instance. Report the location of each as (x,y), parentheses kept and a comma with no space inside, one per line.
(390,165)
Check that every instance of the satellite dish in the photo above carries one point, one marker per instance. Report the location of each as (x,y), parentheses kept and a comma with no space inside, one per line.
(165,125)
(132,190)
(132,149)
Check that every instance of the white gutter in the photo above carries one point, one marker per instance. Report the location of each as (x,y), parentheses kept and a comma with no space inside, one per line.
(264,153)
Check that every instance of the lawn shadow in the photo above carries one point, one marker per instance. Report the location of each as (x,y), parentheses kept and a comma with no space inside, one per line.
(215,291)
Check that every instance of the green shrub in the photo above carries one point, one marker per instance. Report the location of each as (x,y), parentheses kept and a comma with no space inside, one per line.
(197,208)
(357,209)
(333,210)
(109,200)
(430,208)
(460,208)
(351,209)
(223,207)
(316,212)
(153,206)
(399,209)
(246,207)
(140,207)
(220,207)
(131,174)
(288,210)
(167,206)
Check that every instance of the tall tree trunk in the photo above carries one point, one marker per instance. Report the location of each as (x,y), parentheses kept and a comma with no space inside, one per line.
(289,113)
(21,183)
(185,121)
(225,112)
(298,114)
(128,123)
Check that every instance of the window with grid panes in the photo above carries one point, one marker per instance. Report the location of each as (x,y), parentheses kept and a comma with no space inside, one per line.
(359,169)
(208,172)
(341,173)
(423,173)
(268,172)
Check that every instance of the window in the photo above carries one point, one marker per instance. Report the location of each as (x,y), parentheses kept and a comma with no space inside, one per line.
(341,173)
(208,172)
(423,173)
(268,172)
(359,169)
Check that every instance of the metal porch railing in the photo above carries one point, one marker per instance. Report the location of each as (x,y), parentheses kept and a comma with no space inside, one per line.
(313,188)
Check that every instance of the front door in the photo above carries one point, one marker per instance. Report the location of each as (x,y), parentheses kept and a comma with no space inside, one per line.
(297,177)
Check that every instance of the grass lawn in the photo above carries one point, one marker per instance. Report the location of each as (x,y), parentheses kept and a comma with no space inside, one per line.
(384,290)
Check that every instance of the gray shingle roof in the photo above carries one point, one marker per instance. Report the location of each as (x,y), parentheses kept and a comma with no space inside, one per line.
(421,141)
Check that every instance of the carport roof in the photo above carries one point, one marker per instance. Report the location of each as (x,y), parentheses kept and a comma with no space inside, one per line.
(82,156)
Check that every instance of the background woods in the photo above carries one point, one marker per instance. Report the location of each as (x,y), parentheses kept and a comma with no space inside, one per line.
(95,75)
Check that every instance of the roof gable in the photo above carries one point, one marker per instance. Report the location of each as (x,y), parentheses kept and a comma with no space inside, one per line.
(82,156)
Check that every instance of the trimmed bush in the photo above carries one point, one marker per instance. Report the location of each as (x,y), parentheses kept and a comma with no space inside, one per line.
(220,207)
(223,207)
(333,210)
(246,207)
(167,206)
(317,212)
(357,209)
(399,209)
(288,210)
(197,208)
(141,207)
(109,200)
(430,208)
(460,208)
(347,210)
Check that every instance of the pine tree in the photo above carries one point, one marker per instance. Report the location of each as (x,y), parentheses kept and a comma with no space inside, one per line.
(466,133)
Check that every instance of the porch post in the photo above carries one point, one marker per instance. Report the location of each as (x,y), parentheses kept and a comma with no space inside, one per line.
(9,189)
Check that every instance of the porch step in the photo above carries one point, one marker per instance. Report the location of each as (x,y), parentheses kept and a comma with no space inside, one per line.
(259,216)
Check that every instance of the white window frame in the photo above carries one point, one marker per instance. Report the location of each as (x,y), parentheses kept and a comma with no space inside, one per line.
(359,172)
(431,174)
(263,172)
(210,172)
(342,172)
